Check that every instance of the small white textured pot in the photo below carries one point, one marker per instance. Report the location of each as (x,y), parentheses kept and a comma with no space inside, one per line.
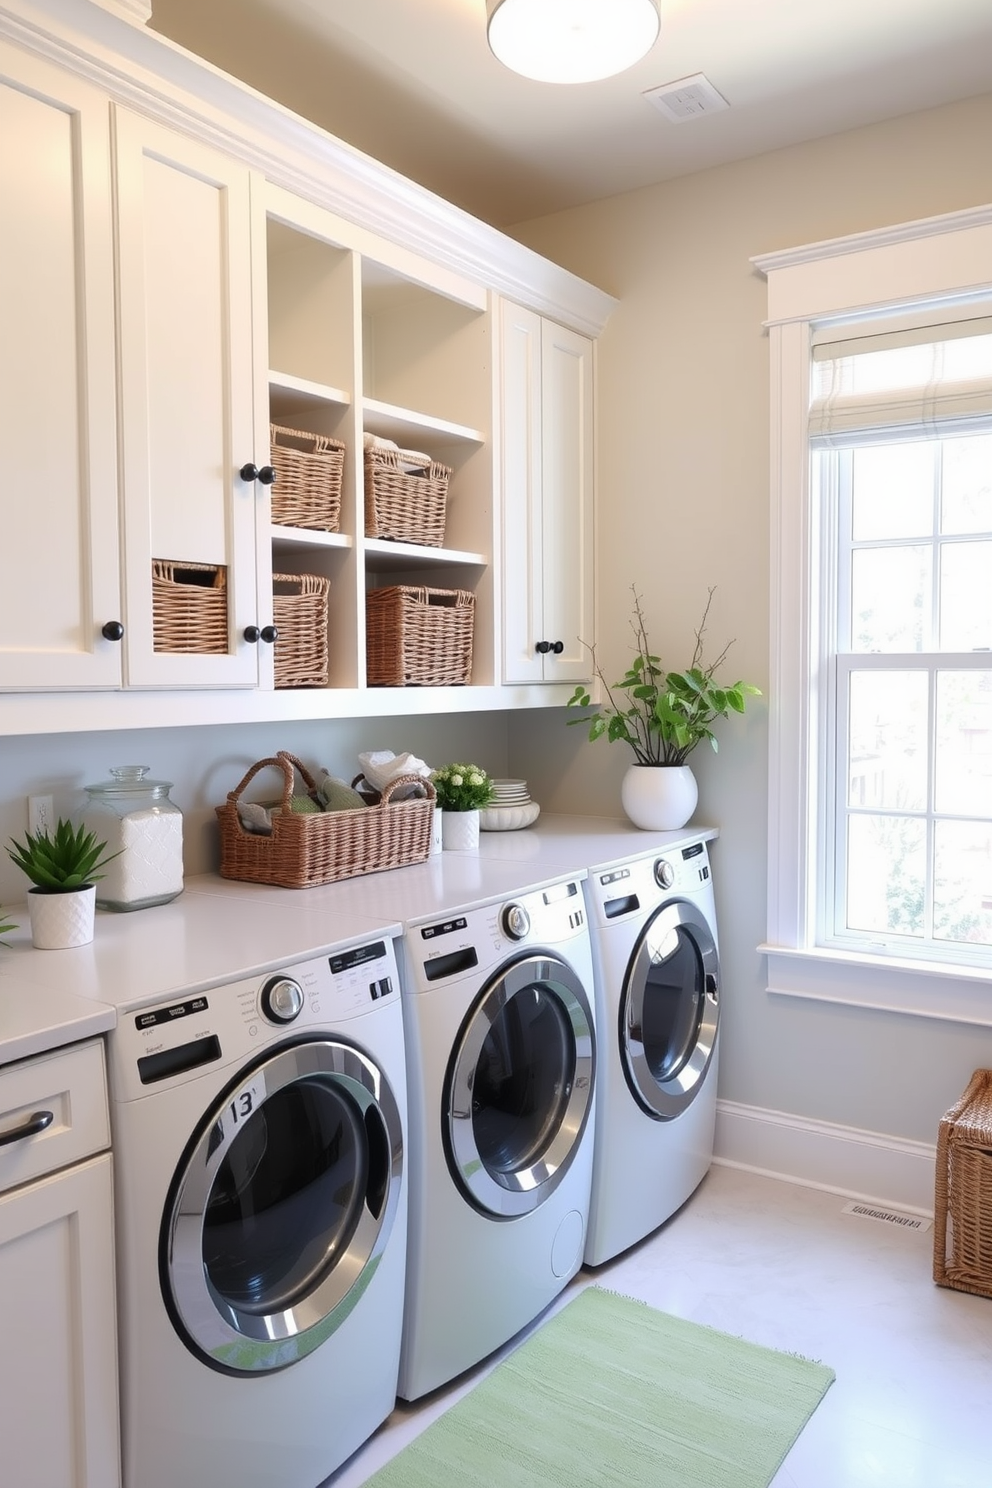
(60,921)
(659,798)
(460,830)
(436,825)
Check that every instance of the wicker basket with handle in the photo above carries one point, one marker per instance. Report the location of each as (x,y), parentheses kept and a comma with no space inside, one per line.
(299,609)
(309,469)
(305,850)
(419,637)
(962,1229)
(402,506)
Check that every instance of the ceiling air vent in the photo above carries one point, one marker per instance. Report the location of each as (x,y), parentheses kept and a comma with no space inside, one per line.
(686,98)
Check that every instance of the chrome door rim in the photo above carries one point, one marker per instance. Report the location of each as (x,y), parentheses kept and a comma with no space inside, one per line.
(666,1099)
(506,1195)
(242,1342)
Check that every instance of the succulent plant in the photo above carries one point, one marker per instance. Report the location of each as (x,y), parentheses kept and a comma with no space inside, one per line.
(61,863)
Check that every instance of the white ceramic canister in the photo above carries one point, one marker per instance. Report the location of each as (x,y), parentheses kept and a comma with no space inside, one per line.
(138,822)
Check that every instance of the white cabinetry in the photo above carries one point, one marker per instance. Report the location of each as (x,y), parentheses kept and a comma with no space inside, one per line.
(184,231)
(59,569)
(546,498)
(58,1377)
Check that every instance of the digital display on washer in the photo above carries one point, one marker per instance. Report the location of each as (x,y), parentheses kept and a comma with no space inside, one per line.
(152,1067)
(444,927)
(358,957)
(169,1014)
(693,851)
(560,891)
(442,966)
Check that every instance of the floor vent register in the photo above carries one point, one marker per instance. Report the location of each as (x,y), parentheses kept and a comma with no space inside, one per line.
(888,1216)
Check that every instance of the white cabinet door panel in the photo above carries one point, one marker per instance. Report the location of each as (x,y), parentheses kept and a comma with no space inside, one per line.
(523,544)
(567,501)
(59,570)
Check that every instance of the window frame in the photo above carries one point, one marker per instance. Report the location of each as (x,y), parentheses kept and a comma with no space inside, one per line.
(937,263)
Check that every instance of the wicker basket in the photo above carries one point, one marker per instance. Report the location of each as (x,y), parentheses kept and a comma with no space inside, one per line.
(306,850)
(307,491)
(404,507)
(299,610)
(189,607)
(419,637)
(962,1231)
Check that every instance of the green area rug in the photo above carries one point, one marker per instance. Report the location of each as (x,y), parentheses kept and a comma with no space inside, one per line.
(609,1391)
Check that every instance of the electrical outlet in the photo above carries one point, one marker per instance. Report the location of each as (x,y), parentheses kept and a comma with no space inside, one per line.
(41,814)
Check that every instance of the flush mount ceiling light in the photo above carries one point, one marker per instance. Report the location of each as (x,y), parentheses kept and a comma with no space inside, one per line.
(571,41)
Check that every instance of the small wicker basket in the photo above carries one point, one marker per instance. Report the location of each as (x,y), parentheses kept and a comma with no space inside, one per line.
(306,850)
(189,607)
(962,1230)
(404,507)
(419,637)
(309,469)
(299,610)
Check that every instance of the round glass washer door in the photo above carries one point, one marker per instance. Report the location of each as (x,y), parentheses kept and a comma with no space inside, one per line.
(281,1207)
(519,1086)
(669,1011)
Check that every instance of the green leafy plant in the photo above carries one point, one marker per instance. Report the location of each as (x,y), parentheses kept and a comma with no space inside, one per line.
(61,863)
(462,787)
(667,713)
(6,925)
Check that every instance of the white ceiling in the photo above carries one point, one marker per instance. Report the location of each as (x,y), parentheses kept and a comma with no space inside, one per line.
(413,83)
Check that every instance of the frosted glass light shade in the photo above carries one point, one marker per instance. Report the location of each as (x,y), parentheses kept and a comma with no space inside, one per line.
(571,41)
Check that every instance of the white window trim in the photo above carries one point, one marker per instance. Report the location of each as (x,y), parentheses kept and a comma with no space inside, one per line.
(902,269)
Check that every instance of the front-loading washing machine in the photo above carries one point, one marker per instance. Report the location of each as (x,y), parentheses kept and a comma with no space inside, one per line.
(658,987)
(501,1075)
(259,1149)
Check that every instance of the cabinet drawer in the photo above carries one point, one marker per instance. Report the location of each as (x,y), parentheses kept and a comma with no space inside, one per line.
(71,1084)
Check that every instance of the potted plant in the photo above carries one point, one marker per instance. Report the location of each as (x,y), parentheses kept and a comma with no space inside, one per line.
(666,715)
(462,791)
(64,869)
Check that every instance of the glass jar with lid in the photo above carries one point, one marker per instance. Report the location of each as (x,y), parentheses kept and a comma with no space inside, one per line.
(138,822)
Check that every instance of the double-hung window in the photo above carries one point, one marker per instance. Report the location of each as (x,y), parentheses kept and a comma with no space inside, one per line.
(880,879)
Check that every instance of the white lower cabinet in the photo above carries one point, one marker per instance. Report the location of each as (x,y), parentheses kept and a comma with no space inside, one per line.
(59,1423)
(546,499)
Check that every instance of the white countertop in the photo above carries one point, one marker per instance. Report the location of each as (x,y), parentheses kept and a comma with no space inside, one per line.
(220,930)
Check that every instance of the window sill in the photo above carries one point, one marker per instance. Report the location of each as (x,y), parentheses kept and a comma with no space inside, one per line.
(952,994)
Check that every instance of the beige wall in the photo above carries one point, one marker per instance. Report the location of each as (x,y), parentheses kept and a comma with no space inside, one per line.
(683,469)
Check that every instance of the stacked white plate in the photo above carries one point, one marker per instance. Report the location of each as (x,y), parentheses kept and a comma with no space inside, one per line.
(510,809)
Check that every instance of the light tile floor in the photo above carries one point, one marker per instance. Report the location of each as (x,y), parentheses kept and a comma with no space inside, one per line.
(783,1266)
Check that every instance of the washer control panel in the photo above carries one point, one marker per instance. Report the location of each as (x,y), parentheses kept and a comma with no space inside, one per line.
(175,1040)
(638,887)
(445,949)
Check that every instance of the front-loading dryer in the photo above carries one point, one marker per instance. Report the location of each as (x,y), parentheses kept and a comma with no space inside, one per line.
(259,1147)
(501,1076)
(658,988)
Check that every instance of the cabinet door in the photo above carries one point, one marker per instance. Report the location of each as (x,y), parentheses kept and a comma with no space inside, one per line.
(567,511)
(185,292)
(58,1400)
(547,488)
(59,571)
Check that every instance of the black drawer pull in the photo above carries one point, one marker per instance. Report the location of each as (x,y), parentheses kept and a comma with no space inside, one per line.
(31,1128)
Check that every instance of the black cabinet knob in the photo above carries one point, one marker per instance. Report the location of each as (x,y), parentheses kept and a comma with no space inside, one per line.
(251,633)
(251,472)
(543,647)
(113,631)
(269,634)
(558,647)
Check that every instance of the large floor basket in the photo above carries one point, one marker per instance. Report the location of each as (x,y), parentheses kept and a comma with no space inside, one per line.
(305,850)
(962,1229)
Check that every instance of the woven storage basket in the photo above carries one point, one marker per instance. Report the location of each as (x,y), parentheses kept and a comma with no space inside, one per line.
(189,607)
(306,850)
(299,610)
(962,1230)
(404,507)
(307,491)
(418,637)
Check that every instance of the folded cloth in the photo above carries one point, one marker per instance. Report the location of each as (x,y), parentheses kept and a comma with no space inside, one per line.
(337,795)
(409,461)
(381,766)
(256,817)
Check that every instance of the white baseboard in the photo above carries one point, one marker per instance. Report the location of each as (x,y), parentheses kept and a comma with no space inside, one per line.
(841,1159)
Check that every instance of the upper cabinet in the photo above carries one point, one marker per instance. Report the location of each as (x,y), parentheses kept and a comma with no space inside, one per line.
(546,441)
(187,426)
(59,565)
(249,379)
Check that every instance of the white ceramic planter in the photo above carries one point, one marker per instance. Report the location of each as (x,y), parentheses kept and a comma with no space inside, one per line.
(436,828)
(460,830)
(60,921)
(659,798)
